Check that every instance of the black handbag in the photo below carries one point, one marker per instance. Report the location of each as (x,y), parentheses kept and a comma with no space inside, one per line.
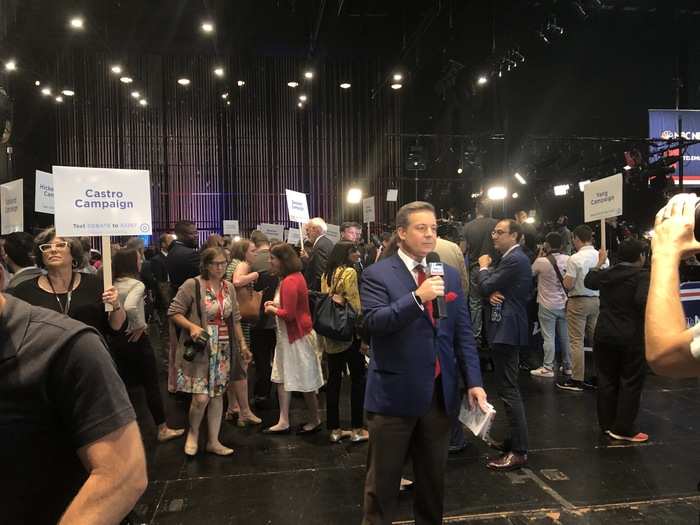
(333,320)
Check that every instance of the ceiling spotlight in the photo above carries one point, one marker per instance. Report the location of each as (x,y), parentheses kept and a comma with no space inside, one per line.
(116,69)
(46,91)
(497,193)
(68,92)
(136,94)
(561,189)
(518,55)
(582,184)
(300,104)
(10,65)
(500,73)
(460,170)
(143,102)
(543,37)
(240,83)
(59,99)
(183,81)
(308,75)
(207,27)
(515,195)
(482,80)
(126,80)
(530,220)
(224,95)
(354,196)
(292,84)
(228,102)
(302,98)
(396,86)
(520,178)
(37,83)
(398,77)
(219,72)
(77,23)
(345,85)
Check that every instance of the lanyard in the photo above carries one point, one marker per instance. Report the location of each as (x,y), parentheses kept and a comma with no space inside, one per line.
(69,294)
(220,300)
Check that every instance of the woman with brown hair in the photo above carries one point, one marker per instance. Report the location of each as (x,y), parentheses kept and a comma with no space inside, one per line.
(296,366)
(132,351)
(206,310)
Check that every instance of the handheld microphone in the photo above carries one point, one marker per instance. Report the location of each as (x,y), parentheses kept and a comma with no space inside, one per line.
(435,268)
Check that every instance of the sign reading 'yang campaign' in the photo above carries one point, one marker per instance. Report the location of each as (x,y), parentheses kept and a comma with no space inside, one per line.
(97,201)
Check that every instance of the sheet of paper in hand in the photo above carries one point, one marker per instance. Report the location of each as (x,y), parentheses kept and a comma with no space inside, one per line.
(476,420)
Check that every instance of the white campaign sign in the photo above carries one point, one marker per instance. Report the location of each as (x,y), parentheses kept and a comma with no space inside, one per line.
(43,192)
(368,210)
(392,195)
(297,206)
(293,236)
(99,201)
(273,231)
(333,232)
(12,207)
(231,228)
(602,199)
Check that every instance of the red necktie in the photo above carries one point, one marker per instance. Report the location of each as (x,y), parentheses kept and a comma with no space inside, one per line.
(420,272)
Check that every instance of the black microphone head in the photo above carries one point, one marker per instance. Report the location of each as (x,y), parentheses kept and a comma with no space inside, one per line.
(432,257)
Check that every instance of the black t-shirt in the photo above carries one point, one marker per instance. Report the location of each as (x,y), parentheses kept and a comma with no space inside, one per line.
(85,305)
(59,391)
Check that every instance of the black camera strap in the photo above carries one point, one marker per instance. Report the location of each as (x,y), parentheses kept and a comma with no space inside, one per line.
(198,299)
(554,264)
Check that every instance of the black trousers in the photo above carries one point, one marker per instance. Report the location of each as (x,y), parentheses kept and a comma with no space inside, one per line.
(505,362)
(262,345)
(136,364)
(621,374)
(392,439)
(355,361)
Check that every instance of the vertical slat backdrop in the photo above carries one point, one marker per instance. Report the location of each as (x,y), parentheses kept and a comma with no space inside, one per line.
(210,161)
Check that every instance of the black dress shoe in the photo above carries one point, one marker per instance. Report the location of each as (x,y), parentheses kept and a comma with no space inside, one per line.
(508,461)
(456,449)
(277,432)
(302,431)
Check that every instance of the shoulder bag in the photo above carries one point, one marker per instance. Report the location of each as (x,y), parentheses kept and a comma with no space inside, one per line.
(333,320)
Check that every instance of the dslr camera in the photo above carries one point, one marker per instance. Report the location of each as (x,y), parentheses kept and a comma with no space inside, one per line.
(194,346)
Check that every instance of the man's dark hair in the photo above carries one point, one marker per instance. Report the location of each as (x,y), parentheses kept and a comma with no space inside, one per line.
(402,216)
(339,257)
(125,264)
(554,240)
(258,238)
(19,247)
(162,239)
(630,250)
(583,233)
(182,228)
(289,260)
(481,208)
(514,227)
(349,224)
(386,236)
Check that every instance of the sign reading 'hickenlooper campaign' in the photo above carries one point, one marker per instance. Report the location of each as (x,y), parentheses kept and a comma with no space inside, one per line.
(12,207)
(602,199)
(43,192)
(297,206)
(97,201)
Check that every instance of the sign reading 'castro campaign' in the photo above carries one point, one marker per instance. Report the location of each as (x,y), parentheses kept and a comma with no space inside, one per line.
(98,201)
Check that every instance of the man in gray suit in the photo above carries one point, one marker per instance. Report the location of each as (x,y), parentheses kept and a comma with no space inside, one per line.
(19,249)
(315,262)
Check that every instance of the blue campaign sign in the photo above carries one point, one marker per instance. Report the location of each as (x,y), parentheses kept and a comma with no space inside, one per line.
(690,298)
(663,124)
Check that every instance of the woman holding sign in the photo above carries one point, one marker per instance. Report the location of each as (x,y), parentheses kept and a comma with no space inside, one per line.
(211,347)
(65,290)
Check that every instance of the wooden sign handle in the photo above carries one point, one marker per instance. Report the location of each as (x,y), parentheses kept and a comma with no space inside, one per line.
(107,266)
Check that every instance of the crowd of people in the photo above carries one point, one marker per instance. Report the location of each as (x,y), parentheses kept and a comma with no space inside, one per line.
(242,323)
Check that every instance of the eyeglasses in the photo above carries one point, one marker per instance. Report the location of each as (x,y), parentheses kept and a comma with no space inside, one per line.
(218,264)
(43,248)
(498,233)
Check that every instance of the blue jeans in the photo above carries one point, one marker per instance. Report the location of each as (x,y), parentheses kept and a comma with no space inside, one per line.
(553,323)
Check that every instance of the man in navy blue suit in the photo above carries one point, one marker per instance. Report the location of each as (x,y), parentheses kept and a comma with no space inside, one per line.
(508,287)
(412,384)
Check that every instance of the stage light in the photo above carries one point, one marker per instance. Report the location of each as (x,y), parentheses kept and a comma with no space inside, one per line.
(561,189)
(482,80)
(497,193)
(515,195)
(543,37)
(303,98)
(136,94)
(126,80)
(116,69)
(396,86)
(240,83)
(46,91)
(10,65)
(68,92)
(308,75)
(292,84)
(345,85)
(627,168)
(354,196)
(183,81)
(228,102)
(224,95)
(300,105)
(143,102)
(37,83)
(530,220)
(398,77)
(476,195)
(236,238)
(520,178)
(460,170)
(59,99)
(207,27)
(582,184)
(500,73)
(77,23)
(219,72)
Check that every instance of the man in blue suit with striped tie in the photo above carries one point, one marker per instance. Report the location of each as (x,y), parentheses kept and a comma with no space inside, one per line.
(412,382)
(508,286)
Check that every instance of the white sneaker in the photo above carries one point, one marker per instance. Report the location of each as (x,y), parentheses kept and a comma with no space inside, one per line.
(542,372)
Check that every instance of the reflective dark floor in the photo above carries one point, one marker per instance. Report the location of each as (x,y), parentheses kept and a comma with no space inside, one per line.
(575,475)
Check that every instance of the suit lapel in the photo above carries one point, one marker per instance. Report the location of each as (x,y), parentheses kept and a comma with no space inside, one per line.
(407,280)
